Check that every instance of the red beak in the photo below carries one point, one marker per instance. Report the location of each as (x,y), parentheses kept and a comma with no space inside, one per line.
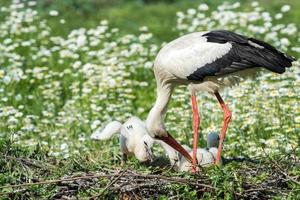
(175,145)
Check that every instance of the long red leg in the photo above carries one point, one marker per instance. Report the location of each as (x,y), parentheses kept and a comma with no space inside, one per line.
(196,122)
(227,117)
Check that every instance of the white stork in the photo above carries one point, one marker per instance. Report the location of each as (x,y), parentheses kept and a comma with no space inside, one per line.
(207,62)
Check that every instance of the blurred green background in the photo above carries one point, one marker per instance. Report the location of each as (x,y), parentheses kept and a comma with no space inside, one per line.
(128,15)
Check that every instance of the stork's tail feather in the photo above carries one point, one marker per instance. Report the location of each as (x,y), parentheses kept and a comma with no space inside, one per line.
(107,132)
(271,58)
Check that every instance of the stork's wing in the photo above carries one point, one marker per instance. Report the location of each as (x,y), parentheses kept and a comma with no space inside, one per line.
(245,53)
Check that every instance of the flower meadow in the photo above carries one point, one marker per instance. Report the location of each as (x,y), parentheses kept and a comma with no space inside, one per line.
(56,89)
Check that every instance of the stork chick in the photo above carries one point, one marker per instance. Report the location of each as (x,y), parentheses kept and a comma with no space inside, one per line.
(134,138)
(205,156)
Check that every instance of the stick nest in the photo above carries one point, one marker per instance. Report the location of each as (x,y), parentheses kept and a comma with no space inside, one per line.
(238,178)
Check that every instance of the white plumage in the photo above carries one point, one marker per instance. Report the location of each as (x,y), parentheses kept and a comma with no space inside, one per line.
(204,157)
(134,138)
(107,132)
(182,56)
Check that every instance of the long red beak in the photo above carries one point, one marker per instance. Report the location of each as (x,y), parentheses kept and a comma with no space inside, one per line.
(175,145)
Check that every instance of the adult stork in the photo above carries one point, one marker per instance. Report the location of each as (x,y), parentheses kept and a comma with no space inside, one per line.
(207,62)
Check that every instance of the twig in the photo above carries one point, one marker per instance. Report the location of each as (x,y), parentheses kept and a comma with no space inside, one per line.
(260,189)
(110,184)
(282,171)
(178,180)
(56,181)
(135,186)
(31,162)
(12,192)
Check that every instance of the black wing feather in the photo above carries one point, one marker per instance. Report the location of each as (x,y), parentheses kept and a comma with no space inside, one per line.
(245,53)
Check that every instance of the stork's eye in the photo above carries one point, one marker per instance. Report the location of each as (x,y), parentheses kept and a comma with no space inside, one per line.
(129,127)
(145,143)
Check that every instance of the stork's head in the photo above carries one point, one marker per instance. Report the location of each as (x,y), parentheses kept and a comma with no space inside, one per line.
(213,139)
(138,140)
(143,149)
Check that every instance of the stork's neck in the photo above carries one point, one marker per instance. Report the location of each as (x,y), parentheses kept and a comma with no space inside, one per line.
(154,122)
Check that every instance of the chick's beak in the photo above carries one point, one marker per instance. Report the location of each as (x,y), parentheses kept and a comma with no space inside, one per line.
(175,145)
(149,152)
(151,157)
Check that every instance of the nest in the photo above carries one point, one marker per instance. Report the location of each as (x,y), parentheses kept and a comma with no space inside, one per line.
(276,180)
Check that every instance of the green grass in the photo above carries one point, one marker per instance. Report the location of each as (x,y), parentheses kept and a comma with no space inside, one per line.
(160,17)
